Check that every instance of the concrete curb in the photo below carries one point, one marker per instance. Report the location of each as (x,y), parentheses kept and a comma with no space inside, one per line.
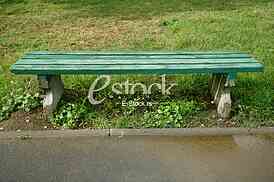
(134,132)
(67,133)
(190,131)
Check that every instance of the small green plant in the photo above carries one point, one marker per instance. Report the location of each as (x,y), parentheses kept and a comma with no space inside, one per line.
(253,117)
(17,98)
(171,115)
(173,25)
(73,115)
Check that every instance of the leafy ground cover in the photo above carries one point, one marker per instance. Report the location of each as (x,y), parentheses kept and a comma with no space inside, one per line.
(189,25)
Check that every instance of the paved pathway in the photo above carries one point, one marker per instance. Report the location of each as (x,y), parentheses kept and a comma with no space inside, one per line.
(137,158)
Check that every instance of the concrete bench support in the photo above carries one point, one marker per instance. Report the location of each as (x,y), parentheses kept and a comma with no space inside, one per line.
(53,88)
(220,86)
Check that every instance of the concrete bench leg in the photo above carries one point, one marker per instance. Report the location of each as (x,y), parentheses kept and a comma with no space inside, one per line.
(53,88)
(220,86)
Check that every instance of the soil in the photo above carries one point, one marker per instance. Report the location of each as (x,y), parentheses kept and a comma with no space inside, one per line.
(20,120)
(36,120)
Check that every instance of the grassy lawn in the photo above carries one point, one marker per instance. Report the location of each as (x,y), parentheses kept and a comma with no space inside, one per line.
(189,25)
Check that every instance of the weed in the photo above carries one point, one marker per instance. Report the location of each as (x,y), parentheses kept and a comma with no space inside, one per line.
(15,98)
(172,25)
(73,115)
(171,115)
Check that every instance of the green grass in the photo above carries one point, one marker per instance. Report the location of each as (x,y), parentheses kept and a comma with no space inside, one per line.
(194,25)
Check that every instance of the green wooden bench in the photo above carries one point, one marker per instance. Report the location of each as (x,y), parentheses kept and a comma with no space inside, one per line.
(223,66)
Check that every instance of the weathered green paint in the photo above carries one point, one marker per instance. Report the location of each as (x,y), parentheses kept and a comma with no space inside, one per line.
(131,61)
(134,57)
(134,53)
(50,63)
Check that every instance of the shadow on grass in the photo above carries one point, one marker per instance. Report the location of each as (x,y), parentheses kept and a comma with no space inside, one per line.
(138,9)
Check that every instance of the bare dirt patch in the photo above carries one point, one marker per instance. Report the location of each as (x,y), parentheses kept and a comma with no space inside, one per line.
(21,120)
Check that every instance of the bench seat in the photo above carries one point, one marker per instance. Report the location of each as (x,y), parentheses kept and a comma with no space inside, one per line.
(49,63)
(224,66)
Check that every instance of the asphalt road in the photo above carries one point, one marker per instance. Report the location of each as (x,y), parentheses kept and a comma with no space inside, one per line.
(137,158)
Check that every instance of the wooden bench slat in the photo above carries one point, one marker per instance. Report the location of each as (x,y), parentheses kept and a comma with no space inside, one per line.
(142,69)
(137,56)
(132,61)
(132,53)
